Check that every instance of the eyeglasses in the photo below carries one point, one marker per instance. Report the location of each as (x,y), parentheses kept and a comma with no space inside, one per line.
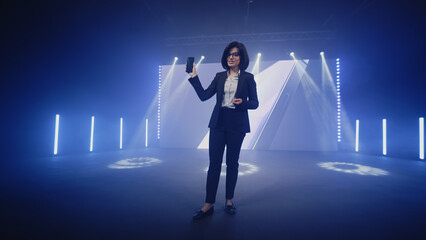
(234,54)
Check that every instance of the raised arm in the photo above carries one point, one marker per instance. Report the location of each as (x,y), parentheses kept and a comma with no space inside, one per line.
(195,82)
(203,94)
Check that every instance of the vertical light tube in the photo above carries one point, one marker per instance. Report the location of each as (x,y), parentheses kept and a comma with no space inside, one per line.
(357,136)
(159,102)
(422,138)
(91,133)
(385,151)
(339,137)
(146,132)
(121,133)
(55,148)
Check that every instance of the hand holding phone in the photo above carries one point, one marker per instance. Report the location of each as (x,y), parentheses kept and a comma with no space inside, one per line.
(189,64)
(190,67)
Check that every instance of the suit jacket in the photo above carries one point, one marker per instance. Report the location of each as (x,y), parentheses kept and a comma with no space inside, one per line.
(246,90)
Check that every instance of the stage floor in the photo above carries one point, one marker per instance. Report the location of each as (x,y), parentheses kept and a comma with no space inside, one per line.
(153,193)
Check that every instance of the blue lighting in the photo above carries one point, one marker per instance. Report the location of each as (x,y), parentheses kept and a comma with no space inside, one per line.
(338,98)
(357,136)
(121,133)
(384,137)
(91,133)
(146,132)
(55,148)
(159,102)
(355,168)
(421,138)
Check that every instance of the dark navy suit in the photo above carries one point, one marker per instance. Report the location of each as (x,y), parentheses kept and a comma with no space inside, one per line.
(227,128)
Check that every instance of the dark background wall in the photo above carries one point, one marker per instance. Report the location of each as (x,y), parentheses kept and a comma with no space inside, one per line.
(84,58)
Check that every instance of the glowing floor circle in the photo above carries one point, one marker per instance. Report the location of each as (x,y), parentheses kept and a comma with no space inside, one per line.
(244,169)
(354,168)
(135,163)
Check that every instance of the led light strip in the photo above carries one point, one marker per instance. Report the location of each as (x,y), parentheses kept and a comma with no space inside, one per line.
(91,133)
(385,150)
(422,138)
(146,132)
(357,136)
(159,102)
(339,126)
(55,149)
(121,133)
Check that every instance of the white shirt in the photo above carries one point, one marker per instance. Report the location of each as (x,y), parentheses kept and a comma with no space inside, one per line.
(229,91)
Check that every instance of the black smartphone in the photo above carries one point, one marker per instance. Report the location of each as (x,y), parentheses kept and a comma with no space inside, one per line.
(189,64)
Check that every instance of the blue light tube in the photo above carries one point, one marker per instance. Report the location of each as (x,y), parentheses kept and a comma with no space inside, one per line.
(55,148)
(91,133)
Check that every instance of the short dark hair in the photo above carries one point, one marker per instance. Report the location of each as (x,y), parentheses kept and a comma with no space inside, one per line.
(244,58)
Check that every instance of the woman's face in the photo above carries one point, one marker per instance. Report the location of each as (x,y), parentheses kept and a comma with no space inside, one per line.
(234,57)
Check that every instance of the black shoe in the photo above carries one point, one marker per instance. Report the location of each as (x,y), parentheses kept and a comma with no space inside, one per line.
(200,214)
(230,209)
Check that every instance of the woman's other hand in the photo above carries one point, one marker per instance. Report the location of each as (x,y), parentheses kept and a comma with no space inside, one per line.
(194,72)
(237,101)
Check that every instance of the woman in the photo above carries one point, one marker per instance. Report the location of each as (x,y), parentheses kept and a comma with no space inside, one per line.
(235,92)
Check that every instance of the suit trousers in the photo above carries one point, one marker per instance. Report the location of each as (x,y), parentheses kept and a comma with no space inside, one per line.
(218,139)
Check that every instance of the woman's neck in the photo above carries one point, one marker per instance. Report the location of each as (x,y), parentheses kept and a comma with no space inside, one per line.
(234,71)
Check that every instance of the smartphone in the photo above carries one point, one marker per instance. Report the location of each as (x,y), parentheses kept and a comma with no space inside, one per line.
(189,64)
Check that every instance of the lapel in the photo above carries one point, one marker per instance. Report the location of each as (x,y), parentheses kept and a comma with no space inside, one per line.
(221,87)
(241,83)
(221,84)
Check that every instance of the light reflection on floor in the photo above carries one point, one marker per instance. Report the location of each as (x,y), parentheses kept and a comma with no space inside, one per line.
(136,162)
(353,168)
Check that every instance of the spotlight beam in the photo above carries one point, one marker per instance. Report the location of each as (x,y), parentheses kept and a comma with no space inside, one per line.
(178,90)
(320,107)
(255,70)
(164,85)
(199,62)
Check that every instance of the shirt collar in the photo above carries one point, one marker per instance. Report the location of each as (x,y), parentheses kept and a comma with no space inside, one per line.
(239,71)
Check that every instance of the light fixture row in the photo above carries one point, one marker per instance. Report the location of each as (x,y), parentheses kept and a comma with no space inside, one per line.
(92,132)
(384,137)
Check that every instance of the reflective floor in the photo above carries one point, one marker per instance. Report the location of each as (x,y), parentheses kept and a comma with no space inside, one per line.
(153,193)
